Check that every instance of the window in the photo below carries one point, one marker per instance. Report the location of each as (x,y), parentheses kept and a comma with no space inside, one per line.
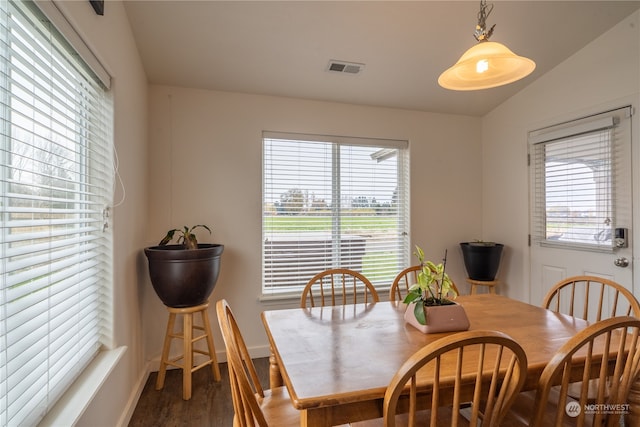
(331,202)
(575,176)
(56,168)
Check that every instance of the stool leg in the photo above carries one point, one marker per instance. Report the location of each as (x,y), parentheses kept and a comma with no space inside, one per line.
(212,351)
(188,356)
(473,289)
(165,352)
(492,289)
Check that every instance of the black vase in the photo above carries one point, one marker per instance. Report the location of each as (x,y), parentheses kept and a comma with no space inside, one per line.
(481,260)
(184,277)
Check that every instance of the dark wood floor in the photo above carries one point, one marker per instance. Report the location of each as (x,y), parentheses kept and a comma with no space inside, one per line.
(210,404)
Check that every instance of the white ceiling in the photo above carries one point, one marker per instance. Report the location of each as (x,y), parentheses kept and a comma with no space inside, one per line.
(283,47)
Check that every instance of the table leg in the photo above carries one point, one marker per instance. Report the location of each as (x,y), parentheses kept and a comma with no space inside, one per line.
(275,378)
(319,418)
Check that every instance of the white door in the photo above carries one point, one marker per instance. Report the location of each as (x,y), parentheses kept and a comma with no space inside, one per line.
(581,194)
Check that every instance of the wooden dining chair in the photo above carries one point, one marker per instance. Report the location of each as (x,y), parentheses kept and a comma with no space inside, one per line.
(403,281)
(253,405)
(338,286)
(484,372)
(554,403)
(591,298)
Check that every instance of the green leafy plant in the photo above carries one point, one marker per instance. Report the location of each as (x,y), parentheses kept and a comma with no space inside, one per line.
(432,289)
(186,237)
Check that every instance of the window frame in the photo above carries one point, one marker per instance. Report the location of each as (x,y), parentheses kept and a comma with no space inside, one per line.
(583,142)
(385,150)
(75,258)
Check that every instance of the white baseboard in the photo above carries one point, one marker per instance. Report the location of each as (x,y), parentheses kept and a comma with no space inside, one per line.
(255,352)
(125,419)
(260,351)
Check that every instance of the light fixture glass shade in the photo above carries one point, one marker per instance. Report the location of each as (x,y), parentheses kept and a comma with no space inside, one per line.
(485,65)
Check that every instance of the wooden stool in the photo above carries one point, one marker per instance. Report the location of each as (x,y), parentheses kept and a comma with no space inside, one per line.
(491,284)
(187,340)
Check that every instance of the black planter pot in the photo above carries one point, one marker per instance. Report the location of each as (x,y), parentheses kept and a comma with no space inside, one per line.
(183,277)
(481,260)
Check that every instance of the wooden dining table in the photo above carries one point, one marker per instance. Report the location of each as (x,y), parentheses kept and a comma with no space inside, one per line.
(337,361)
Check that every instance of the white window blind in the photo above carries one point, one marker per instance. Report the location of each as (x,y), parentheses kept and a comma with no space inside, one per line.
(575,173)
(56,179)
(333,202)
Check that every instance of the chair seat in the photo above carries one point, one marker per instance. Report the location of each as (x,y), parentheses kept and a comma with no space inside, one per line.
(592,393)
(422,419)
(521,411)
(277,408)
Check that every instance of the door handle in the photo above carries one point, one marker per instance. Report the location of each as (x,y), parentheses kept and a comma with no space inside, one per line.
(621,262)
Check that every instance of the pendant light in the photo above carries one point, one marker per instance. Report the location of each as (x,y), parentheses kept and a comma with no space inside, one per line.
(487,64)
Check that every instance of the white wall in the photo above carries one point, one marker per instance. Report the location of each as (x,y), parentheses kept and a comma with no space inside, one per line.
(110,38)
(604,74)
(205,162)
(204,166)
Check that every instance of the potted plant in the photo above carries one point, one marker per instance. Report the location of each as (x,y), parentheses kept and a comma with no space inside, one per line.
(184,274)
(481,259)
(432,309)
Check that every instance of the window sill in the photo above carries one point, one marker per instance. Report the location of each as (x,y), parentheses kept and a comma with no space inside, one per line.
(68,410)
(280,298)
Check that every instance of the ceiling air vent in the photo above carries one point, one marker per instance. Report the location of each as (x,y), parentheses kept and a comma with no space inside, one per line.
(345,67)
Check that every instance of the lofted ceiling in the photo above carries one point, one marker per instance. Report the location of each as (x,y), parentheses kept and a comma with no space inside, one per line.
(283,48)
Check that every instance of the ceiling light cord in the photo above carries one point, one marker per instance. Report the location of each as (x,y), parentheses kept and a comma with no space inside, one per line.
(481,34)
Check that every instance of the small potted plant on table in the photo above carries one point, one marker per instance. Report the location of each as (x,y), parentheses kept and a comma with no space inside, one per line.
(184,274)
(430,310)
